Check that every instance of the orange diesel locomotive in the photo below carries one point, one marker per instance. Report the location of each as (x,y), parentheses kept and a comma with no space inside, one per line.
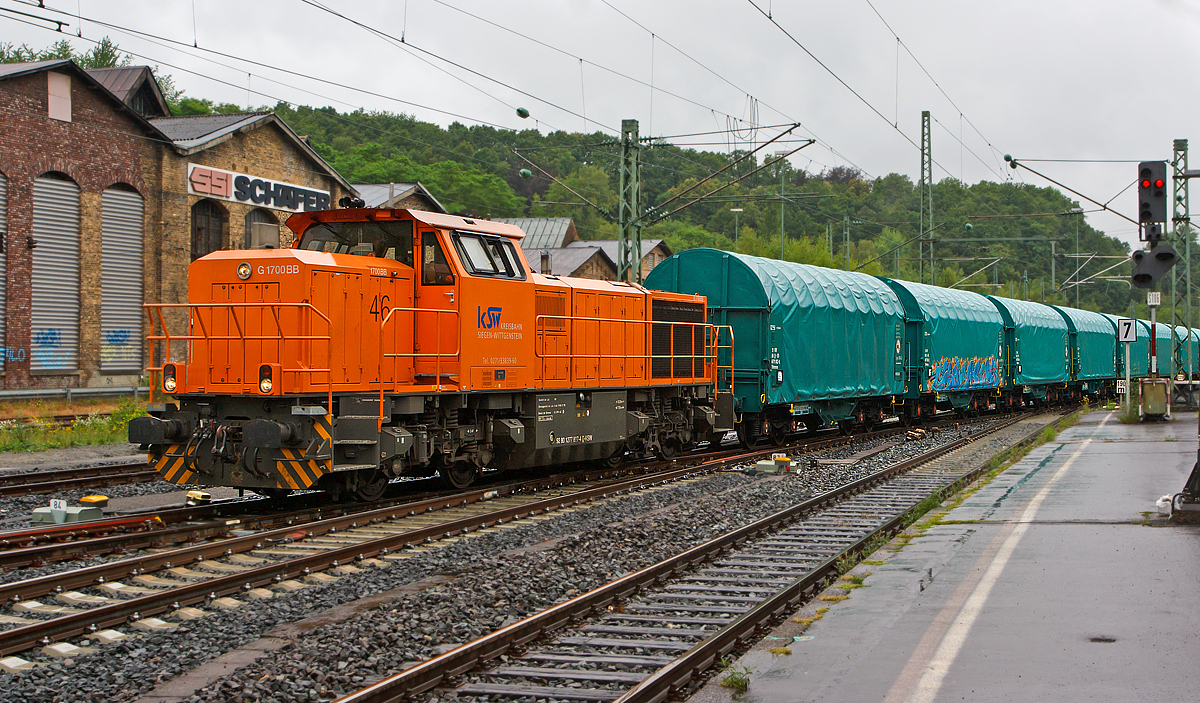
(391,343)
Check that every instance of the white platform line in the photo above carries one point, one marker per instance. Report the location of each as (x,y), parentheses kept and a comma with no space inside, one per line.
(933,669)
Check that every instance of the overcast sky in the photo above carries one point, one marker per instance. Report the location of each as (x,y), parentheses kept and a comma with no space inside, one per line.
(1073,79)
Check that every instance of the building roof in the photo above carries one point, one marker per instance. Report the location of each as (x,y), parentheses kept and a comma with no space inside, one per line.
(12,70)
(544,232)
(565,261)
(613,248)
(8,70)
(189,130)
(376,194)
(195,133)
(126,81)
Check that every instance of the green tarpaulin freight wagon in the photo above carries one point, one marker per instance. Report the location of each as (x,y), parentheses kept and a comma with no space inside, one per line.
(808,341)
(1037,345)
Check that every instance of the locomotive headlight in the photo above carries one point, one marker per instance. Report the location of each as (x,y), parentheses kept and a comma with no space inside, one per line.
(169,378)
(243,270)
(264,385)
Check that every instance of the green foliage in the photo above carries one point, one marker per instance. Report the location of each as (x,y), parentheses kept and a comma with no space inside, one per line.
(38,435)
(104,54)
(836,218)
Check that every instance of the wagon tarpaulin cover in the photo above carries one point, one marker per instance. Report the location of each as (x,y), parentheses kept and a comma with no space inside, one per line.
(802,333)
(1040,342)
(1095,343)
(961,337)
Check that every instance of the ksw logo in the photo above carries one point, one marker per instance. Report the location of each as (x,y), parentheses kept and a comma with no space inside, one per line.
(489,319)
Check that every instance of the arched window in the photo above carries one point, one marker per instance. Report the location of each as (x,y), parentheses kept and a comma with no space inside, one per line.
(262,229)
(208,224)
(121,275)
(54,279)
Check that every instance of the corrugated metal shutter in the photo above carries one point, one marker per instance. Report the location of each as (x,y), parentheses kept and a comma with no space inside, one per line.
(3,269)
(121,282)
(55,280)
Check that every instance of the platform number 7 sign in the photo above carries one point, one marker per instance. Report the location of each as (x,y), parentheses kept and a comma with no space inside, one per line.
(1126,330)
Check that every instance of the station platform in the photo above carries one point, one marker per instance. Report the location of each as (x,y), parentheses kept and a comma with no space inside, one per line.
(1054,582)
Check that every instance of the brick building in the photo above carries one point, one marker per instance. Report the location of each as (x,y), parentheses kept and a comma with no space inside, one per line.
(105,200)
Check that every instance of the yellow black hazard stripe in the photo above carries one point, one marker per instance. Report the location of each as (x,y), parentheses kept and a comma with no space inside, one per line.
(172,465)
(297,472)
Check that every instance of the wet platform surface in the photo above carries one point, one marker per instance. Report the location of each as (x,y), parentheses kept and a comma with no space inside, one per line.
(1050,584)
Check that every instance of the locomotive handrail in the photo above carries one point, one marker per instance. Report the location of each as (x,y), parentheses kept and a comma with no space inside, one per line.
(708,358)
(437,354)
(722,370)
(155,310)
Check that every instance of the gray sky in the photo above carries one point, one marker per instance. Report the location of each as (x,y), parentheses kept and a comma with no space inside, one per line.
(1073,79)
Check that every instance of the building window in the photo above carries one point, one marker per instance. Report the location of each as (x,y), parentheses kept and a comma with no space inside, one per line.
(208,222)
(122,272)
(58,96)
(262,229)
(54,279)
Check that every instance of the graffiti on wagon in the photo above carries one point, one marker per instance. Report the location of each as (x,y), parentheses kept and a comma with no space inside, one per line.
(954,372)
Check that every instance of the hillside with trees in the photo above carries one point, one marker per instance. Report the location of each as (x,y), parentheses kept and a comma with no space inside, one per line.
(837,218)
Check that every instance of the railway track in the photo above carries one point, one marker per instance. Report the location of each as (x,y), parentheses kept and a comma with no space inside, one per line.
(164,528)
(150,584)
(648,635)
(28,483)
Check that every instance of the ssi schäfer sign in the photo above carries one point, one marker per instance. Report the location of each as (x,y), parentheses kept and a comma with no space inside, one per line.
(209,182)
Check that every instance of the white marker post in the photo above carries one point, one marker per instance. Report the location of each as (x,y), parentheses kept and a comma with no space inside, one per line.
(1127,333)
(58,509)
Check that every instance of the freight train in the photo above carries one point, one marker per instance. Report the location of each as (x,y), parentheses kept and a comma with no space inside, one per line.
(388,343)
(399,343)
(817,347)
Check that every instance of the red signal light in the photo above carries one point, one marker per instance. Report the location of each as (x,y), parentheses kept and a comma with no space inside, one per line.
(1158,183)
(1146,183)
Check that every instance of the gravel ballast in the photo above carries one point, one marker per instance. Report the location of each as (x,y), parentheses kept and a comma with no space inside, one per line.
(495,579)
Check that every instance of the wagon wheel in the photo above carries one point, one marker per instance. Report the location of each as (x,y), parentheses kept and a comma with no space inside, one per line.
(373,488)
(617,458)
(458,475)
(668,448)
(778,434)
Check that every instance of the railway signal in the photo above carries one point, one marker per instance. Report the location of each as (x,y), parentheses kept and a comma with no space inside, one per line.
(1149,266)
(1152,193)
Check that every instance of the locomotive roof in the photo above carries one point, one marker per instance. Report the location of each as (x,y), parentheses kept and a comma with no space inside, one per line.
(301,221)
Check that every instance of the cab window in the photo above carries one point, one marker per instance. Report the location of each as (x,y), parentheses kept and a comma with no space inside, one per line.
(435,270)
(488,255)
(382,240)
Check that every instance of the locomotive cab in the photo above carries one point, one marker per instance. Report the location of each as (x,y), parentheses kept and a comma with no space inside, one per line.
(390,343)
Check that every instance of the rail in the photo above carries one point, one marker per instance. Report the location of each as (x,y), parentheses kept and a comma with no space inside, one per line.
(195,320)
(544,331)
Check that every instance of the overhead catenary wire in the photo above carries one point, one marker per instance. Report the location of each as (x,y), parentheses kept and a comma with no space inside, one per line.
(341,118)
(900,43)
(497,81)
(154,38)
(824,144)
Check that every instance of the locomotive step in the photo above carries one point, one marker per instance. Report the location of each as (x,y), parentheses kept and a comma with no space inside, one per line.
(353,467)
(355,441)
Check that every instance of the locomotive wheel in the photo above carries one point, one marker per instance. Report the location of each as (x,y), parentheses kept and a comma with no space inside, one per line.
(667,449)
(616,459)
(458,475)
(373,489)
